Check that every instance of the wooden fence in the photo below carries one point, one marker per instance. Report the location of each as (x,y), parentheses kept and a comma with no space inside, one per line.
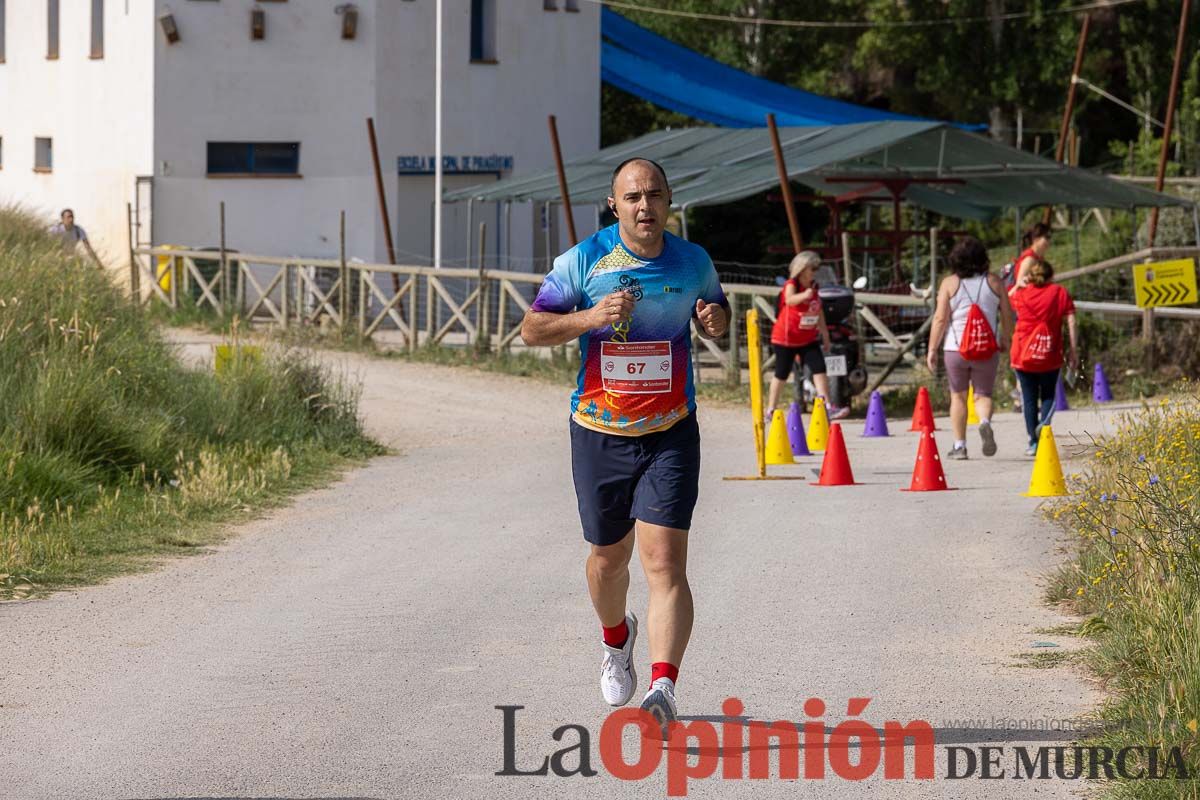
(485,306)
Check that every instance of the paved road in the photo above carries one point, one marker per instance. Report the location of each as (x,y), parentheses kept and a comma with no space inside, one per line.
(356,643)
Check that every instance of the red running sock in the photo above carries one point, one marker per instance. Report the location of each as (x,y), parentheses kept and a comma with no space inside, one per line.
(616,636)
(661,669)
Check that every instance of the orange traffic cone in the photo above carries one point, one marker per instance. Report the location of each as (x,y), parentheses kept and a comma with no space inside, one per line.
(835,468)
(922,412)
(928,475)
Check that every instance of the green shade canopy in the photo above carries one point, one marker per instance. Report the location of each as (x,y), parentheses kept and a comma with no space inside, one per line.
(978,177)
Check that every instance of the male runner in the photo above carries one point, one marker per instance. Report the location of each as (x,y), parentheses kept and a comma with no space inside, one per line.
(629,293)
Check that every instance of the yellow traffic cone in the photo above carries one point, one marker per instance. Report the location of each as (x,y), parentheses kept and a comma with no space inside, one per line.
(972,415)
(818,427)
(1047,479)
(779,449)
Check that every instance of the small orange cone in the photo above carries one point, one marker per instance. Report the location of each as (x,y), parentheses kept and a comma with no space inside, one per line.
(928,475)
(835,468)
(922,412)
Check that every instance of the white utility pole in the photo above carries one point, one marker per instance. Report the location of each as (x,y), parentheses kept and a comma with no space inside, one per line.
(437,139)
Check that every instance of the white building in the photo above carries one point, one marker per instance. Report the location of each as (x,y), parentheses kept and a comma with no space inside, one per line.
(263,105)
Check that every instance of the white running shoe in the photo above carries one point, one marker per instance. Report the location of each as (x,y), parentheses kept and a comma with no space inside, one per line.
(618,680)
(660,702)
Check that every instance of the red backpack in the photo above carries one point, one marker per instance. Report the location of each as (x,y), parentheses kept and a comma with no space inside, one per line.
(978,341)
(1038,353)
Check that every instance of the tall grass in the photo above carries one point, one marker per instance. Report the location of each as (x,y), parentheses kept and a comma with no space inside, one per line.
(110,449)
(1136,573)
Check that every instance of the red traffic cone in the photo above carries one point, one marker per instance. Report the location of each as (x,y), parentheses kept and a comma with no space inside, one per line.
(835,468)
(928,475)
(922,412)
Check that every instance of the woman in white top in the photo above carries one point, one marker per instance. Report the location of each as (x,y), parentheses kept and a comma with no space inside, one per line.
(970,284)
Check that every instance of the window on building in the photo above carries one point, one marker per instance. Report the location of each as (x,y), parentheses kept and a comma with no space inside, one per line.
(97,29)
(2,31)
(483,31)
(549,5)
(572,5)
(51,28)
(253,158)
(43,154)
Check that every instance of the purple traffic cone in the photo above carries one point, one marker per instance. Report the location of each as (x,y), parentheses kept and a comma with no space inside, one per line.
(1100,391)
(1060,396)
(795,429)
(876,417)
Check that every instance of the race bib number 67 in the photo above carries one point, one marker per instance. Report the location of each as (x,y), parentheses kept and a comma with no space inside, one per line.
(636,367)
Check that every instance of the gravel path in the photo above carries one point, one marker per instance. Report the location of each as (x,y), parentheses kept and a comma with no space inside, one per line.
(356,643)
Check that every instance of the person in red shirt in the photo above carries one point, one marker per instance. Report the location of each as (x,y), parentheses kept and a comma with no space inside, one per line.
(1034,243)
(1037,352)
(799,321)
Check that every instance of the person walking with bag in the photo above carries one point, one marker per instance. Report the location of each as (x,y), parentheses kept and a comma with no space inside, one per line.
(1037,354)
(974,318)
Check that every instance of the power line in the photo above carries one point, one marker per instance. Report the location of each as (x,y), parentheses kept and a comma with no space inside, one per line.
(902,23)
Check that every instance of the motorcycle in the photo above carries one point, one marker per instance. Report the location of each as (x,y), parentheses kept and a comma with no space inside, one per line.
(844,365)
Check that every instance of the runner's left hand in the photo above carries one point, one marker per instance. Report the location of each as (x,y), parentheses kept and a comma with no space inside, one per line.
(712,318)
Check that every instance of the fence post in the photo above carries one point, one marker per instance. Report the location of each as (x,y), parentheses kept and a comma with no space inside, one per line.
(343,275)
(502,314)
(225,302)
(135,293)
(482,344)
(283,298)
(847,263)
(362,301)
(412,311)
(933,255)
(429,301)
(733,374)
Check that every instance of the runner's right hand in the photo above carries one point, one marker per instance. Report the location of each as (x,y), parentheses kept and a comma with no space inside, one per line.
(612,308)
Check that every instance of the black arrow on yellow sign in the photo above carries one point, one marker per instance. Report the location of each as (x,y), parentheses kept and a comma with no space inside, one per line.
(1162,294)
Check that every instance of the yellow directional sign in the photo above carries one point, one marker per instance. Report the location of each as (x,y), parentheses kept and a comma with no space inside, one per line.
(1165,283)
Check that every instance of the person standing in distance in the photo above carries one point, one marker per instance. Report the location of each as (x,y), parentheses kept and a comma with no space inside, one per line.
(71,236)
(630,293)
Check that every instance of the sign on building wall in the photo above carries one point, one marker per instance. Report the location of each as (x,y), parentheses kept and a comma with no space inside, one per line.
(1165,283)
(454,165)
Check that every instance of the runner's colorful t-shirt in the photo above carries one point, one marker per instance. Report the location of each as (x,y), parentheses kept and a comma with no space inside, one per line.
(635,377)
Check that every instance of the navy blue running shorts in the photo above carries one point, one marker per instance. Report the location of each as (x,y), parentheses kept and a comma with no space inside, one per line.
(654,478)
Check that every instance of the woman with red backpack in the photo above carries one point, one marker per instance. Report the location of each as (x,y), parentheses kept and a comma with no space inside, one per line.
(975,320)
(1037,354)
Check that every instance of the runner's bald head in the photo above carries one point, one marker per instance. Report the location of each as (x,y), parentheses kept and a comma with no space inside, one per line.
(639,160)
